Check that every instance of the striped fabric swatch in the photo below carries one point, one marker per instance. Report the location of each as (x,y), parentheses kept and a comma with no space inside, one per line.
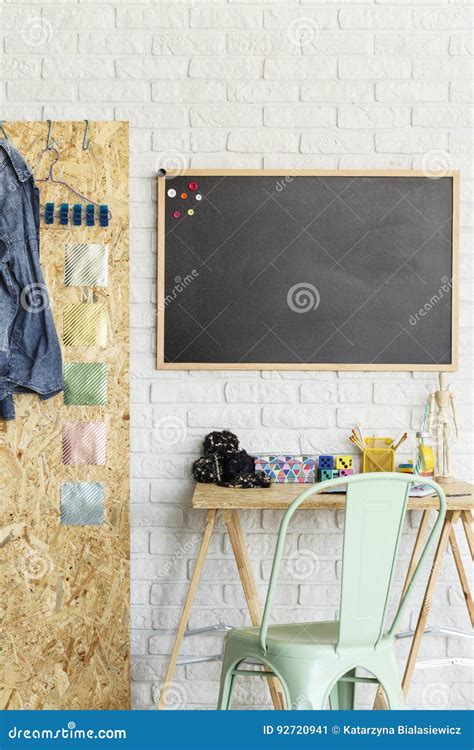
(86,265)
(84,443)
(85,383)
(82,503)
(85,324)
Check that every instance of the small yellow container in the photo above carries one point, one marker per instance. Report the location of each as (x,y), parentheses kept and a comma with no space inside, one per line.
(378,455)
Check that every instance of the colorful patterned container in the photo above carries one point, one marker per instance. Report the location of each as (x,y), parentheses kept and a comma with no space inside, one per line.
(297,469)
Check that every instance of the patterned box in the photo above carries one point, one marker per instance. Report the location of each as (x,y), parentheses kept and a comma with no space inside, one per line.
(325,474)
(326,462)
(297,469)
(343,462)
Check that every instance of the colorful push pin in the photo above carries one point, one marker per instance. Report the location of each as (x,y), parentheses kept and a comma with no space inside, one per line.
(64,213)
(77,215)
(90,220)
(198,197)
(190,212)
(104,216)
(49,213)
(184,196)
(171,193)
(193,186)
(176,214)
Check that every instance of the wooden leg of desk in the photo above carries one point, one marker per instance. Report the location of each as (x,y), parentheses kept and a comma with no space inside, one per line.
(466,517)
(211,519)
(380,701)
(451,517)
(249,586)
(461,573)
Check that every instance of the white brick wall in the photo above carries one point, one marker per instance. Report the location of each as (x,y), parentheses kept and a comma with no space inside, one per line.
(373,84)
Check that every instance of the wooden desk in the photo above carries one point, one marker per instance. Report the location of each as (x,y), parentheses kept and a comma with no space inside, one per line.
(229,501)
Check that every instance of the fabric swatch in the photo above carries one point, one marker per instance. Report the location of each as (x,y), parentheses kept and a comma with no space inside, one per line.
(85,324)
(85,383)
(84,443)
(82,503)
(86,265)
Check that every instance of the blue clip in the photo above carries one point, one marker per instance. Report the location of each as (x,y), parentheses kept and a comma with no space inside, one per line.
(77,215)
(64,213)
(49,213)
(104,216)
(90,215)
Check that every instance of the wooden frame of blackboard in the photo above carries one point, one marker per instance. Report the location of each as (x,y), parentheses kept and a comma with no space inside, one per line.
(295,173)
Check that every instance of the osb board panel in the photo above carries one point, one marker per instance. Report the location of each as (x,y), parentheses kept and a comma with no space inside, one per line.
(64,590)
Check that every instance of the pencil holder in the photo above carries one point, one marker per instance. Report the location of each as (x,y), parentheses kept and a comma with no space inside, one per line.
(378,455)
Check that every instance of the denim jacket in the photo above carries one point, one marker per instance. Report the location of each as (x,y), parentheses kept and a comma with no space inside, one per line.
(30,356)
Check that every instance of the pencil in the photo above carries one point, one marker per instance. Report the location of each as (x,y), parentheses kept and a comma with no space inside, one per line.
(402,440)
(356,442)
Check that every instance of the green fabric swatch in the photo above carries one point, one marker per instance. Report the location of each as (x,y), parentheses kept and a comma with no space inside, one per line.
(85,383)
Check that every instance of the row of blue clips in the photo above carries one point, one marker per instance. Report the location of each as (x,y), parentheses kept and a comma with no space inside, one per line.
(90,216)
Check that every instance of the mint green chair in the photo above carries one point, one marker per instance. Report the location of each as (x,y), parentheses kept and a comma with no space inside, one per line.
(317,661)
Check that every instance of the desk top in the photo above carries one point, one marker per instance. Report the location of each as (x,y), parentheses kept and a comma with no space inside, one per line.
(279,496)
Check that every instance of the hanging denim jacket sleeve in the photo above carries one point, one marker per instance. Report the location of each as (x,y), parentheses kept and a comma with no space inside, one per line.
(30,355)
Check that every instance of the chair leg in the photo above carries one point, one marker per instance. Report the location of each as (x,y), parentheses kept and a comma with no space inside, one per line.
(394,693)
(225,692)
(342,695)
(390,681)
(334,699)
(231,691)
(305,688)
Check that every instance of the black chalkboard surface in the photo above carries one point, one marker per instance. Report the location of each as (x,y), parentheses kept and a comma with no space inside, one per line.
(310,270)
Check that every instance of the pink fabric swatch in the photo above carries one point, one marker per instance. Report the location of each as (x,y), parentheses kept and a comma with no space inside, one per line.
(84,443)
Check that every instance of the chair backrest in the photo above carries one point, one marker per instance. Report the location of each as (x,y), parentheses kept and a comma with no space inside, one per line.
(375,511)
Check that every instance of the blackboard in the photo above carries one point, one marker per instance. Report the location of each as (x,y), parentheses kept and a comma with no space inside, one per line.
(307,270)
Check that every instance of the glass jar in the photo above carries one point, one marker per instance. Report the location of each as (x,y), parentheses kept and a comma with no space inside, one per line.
(425,455)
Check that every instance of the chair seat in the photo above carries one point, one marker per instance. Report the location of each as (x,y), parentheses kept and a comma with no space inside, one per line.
(292,639)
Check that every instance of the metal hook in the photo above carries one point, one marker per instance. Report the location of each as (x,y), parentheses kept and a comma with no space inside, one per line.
(49,140)
(3,129)
(86,144)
